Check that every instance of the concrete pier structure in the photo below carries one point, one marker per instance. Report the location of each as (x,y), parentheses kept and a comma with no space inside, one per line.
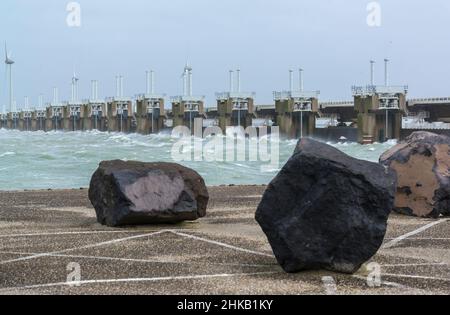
(95,111)
(3,121)
(26,120)
(375,114)
(120,110)
(150,113)
(296,110)
(187,107)
(13,120)
(96,116)
(380,109)
(74,111)
(120,115)
(74,114)
(25,117)
(55,113)
(39,120)
(235,108)
(39,116)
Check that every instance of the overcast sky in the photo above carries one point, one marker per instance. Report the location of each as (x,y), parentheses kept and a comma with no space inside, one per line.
(330,39)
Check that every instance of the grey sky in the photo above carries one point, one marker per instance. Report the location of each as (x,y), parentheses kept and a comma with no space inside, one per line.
(330,39)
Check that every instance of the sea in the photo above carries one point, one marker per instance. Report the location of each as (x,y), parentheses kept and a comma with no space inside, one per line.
(67,160)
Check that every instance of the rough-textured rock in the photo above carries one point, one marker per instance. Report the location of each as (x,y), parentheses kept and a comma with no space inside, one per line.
(131,193)
(326,210)
(422,163)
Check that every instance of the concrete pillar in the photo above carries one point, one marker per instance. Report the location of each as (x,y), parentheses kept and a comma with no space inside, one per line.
(183,117)
(73,121)
(38,121)
(149,120)
(120,116)
(229,117)
(55,118)
(293,123)
(95,117)
(372,120)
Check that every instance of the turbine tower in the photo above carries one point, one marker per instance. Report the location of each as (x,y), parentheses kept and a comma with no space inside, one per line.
(187,80)
(75,80)
(372,72)
(9,62)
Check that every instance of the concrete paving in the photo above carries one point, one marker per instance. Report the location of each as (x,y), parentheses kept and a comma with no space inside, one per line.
(46,235)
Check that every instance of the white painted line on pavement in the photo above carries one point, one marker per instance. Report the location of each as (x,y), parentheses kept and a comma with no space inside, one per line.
(416,277)
(70,233)
(399,239)
(162,261)
(83,247)
(221,244)
(131,280)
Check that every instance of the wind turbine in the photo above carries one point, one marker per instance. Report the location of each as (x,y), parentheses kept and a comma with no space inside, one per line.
(75,80)
(9,62)
(187,80)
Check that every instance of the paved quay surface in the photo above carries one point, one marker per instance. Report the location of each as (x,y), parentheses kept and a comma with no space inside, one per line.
(46,235)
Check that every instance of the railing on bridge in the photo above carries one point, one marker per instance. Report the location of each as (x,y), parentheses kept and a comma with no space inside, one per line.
(224,96)
(265,107)
(143,97)
(378,89)
(336,104)
(93,101)
(432,100)
(187,99)
(118,99)
(286,95)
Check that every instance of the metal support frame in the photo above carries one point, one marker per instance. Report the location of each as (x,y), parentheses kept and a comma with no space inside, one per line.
(27,116)
(74,113)
(40,114)
(57,112)
(95,110)
(121,108)
(303,105)
(191,107)
(153,104)
(239,105)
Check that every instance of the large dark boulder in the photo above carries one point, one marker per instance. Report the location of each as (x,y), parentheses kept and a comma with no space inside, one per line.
(422,163)
(326,210)
(132,193)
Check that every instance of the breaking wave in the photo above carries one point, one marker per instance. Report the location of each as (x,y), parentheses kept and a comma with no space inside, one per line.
(39,160)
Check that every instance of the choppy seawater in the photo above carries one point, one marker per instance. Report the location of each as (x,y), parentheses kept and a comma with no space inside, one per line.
(38,160)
